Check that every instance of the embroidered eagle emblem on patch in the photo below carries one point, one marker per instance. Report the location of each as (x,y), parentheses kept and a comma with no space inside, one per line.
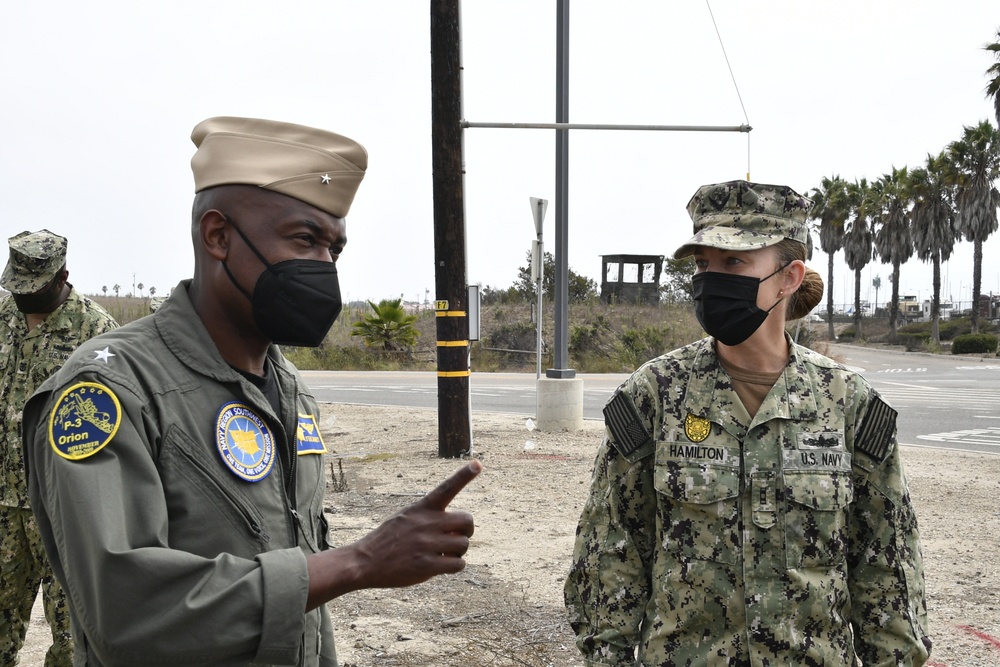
(84,419)
(245,442)
(696,428)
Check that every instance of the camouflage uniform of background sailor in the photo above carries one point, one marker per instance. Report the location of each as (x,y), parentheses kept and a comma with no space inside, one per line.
(27,358)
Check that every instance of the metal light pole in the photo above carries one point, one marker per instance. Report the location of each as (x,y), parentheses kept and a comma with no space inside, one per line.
(559,403)
(561,318)
(538,207)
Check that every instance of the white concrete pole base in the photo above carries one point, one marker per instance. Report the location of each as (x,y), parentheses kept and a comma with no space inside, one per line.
(559,404)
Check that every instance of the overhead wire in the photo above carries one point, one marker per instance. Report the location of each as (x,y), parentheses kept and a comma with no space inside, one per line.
(733,77)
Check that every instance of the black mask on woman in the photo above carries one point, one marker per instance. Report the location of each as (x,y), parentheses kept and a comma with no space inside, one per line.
(42,301)
(295,302)
(726,305)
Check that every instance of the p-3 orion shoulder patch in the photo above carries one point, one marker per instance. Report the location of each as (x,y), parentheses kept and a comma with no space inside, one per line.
(874,435)
(307,437)
(83,420)
(625,424)
(245,442)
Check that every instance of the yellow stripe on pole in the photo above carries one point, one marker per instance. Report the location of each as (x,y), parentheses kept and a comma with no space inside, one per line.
(454,374)
(453,343)
(451,313)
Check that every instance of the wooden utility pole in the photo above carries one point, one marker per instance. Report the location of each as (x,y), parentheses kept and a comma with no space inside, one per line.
(450,282)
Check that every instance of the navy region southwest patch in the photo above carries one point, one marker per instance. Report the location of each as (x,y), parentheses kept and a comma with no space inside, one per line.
(245,442)
(84,419)
(874,436)
(307,437)
(625,424)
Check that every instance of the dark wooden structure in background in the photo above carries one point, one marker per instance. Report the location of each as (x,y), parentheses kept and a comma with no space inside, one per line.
(642,272)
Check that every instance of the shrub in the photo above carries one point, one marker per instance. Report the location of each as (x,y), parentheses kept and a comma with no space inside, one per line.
(914,342)
(974,343)
(521,335)
(639,345)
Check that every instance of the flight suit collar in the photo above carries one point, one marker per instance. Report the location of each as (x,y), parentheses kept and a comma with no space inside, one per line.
(186,337)
(184,334)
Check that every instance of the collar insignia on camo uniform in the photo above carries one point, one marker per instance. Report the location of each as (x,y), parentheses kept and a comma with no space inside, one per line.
(84,419)
(245,442)
(696,428)
(307,436)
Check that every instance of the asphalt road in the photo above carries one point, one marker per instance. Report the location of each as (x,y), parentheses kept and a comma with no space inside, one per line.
(943,401)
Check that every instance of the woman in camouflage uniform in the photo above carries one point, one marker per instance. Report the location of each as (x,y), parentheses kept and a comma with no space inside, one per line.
(748,504)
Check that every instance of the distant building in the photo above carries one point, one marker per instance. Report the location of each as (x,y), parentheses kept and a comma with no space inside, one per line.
(631,278)
(909,308)
(946,310)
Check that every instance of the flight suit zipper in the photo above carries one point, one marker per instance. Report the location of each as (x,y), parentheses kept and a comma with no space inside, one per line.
(253,521)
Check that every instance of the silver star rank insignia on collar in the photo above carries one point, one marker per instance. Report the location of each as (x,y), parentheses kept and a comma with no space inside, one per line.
(325,178)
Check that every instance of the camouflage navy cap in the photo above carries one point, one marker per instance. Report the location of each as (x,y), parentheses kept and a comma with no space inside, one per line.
(35,259)
(739,215)
(321,168)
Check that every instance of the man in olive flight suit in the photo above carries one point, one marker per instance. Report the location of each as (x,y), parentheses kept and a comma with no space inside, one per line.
(176,467)
(42,321)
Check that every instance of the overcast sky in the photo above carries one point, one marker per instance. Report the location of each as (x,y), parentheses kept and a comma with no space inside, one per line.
(99,99)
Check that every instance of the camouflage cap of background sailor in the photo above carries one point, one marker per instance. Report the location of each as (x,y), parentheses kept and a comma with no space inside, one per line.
(35,259)
(739,215)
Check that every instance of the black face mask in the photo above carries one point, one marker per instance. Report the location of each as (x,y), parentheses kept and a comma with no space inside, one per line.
(726,305)
(295,302)
(43,301)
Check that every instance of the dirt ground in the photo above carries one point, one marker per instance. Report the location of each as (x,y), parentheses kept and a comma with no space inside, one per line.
(506,607)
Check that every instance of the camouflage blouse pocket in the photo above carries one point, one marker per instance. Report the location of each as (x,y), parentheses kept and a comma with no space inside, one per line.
(699,509)
(816,517)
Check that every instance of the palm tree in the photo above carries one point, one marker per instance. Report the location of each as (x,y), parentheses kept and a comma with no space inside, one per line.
(893,242)
(104,289)
(933,224)
(152,291)
(140,286)
(389,327)
(858,239)
(116,288)
(993,87)
(975,163)
(831,210)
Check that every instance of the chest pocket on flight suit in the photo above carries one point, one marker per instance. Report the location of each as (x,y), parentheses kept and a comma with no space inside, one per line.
(816,514)
(698,488)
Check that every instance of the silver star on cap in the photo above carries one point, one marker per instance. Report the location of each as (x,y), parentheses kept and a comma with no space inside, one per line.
(325,178)
(104,354)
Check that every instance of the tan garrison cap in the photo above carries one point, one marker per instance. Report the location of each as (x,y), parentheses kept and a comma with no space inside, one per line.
(321,168)
(746,216)
(35,259)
